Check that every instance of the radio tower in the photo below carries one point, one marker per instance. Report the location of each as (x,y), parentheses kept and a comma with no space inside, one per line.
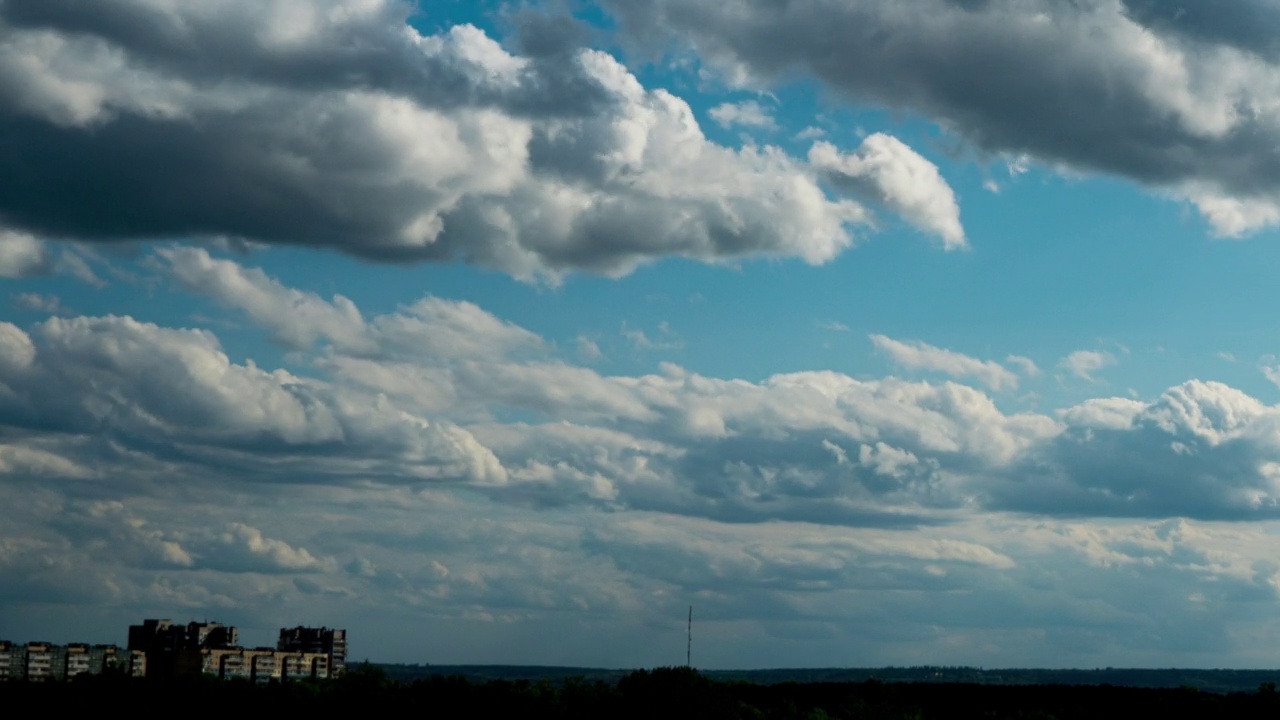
(688,648)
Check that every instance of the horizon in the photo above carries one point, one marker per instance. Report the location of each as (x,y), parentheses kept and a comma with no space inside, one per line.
(883,334)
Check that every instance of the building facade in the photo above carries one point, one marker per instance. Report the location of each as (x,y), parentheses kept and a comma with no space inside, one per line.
(330,641)
(162,649)
(41,661)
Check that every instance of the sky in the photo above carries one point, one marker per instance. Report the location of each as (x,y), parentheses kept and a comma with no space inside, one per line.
(880,332)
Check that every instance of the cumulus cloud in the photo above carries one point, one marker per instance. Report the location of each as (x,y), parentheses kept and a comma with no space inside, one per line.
(299,319)
(921,356)
(1179,99)
(1203,449)
(588,349)
(241,548)
(1272,373)
(1084,363)
(748,114)
(38,303)
(22,255)
(28,459)
(810,133)
(1234,217)
(1025,365)
(142,383)
(887,171)
(1108,413)
(398,147)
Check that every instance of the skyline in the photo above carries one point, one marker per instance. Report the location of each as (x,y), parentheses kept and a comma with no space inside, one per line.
(882,333)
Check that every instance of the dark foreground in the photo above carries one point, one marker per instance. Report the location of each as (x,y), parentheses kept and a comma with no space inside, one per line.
(1211,680)
(664,693)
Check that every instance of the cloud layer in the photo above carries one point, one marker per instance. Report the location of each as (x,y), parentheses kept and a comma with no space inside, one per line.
(482,479)
(444,390)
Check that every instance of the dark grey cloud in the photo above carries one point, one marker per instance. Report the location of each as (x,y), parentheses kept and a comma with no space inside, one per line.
(344,127)
(1252,25)
(1179,98)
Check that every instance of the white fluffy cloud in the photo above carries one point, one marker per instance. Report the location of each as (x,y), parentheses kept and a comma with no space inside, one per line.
(889,172)
(748,114)
(922,356)
(1084,363)
(142,383)
(431,326)
(22,255)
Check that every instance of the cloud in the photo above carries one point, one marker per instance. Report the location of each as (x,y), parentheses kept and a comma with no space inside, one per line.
(296,318)
(1182,102)
(499,491)
(810,133)
(299,319)
(241,548)
(1272,374)
(22,255)
(887,171)
(588,349)
(38,303)
(1249,25)
(1202,449)
(400,147)
(921,356)
(748,114)
(833,326)
(143,384)
(1235,217)
(641,341)
(818,447)
(1107,413)
(1025,365)
(1084,363)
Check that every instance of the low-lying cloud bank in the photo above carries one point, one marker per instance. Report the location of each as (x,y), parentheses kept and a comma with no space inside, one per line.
(433,390)
(440,463)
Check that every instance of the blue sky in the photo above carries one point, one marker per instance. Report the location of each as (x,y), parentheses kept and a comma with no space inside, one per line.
(882,333)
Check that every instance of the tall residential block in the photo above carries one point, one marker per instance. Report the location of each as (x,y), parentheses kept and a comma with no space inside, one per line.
(329,641)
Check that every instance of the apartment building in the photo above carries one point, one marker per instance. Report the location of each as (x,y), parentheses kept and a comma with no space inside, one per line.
(163,649)
(41,661)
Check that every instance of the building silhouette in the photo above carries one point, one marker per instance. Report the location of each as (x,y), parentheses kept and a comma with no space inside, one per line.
(40,661)
(330,641)
(162,649)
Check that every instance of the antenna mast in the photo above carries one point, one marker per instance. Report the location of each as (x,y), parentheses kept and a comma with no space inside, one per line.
(688,650)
